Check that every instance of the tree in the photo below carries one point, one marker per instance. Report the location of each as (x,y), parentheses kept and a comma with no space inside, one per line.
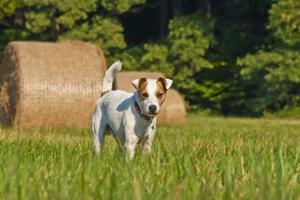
(181,55)
(233,56)
(94,21)
(274,72)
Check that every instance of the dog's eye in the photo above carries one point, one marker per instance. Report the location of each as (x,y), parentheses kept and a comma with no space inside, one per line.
(145,94)
(160,94)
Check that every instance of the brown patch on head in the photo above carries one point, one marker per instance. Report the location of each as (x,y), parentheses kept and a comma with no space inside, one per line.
(161,90)
(142,88)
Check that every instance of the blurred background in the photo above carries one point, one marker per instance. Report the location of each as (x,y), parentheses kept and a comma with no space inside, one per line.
(229,57)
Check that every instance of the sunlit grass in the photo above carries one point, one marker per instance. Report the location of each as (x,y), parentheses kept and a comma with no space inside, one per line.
(208,158)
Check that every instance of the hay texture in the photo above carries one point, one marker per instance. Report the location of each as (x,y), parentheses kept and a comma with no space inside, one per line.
(173,110)
(50,84)
(123,79)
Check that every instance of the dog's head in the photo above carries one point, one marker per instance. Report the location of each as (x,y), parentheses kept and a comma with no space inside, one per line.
(151,94)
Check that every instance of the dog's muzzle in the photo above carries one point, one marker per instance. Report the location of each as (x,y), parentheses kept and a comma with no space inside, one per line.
(145,117)
(153,109)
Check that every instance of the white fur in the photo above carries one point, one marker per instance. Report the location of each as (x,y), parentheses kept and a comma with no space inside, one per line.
(135,83)
(110,75)
(116,111)
(169,83)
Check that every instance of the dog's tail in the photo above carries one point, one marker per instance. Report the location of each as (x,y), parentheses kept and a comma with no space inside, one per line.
(109,77)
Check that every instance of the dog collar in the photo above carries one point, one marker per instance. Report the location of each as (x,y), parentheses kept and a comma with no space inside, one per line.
(145,117)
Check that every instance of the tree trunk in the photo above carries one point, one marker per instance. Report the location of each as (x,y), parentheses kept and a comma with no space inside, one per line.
(176,7)
(164,17)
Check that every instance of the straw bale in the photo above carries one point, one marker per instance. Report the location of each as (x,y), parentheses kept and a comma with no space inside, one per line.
(123,79)
(173,110)
(47,84)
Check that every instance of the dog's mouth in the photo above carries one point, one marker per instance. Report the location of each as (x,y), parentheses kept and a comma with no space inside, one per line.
(152,113)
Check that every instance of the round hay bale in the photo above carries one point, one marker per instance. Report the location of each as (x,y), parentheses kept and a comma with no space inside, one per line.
(123,79)
(47,84)
(173,110)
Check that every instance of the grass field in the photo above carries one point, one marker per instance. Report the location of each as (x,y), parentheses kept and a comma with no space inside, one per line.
(208,158)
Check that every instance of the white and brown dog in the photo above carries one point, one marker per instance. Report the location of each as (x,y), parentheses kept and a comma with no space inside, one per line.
(129,117)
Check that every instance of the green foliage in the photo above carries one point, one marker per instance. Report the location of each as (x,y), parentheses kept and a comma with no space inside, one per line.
(156,59)
(274,73)
(54,19)
(239,29)
(119,6)
(180,56)
(233,57)
(130,58)
(106,32)
(7,7)
(150,56)
(188,43)
(277,67)
(285,21)
(59,14)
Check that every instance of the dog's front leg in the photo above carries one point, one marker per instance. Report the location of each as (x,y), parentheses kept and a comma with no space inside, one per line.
(149,138)
(131,139)
(147,147)
(130,144)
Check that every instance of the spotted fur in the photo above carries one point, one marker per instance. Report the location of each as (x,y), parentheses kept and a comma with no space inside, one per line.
(124,113)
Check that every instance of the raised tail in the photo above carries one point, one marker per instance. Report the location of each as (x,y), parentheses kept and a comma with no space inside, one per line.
(109,77)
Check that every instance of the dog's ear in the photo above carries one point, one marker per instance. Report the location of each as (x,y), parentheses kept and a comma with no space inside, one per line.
(166,82)
(169,83)
(135,83)
(138,82)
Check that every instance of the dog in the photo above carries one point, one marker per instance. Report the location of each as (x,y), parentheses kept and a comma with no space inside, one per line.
(129,117)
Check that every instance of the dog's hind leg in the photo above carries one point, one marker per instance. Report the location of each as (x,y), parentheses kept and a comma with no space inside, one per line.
(98,131)
(99,138)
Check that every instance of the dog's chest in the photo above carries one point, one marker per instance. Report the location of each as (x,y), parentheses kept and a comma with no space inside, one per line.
(142,131)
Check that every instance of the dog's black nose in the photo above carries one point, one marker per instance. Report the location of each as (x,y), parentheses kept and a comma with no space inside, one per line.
(152,108)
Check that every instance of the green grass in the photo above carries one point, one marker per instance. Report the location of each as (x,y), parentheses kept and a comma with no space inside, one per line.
(208,158)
